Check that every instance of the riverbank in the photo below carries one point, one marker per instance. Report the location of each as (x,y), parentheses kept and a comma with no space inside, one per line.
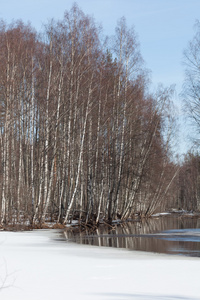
(36,265)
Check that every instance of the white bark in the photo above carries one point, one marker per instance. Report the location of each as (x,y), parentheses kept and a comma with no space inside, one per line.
(48,197)
(32,142)
(46,172)
(80,159)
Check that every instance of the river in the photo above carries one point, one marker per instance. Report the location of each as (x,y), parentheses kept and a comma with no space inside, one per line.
(171,234)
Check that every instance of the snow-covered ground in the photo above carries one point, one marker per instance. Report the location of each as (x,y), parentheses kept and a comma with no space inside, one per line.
(35,266)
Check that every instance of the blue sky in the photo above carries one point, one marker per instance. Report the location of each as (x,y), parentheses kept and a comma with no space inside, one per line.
(164,28)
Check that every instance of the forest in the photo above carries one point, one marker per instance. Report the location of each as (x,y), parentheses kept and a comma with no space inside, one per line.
(81,136)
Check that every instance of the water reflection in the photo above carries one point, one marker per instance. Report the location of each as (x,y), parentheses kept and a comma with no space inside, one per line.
(175,235)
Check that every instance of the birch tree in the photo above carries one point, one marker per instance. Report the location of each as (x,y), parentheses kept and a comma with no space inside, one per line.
(80,134)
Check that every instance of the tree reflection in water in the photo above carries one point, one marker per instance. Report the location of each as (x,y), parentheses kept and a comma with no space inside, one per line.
(147,235)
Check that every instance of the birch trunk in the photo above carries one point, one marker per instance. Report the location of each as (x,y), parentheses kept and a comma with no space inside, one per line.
(80,158)
(46,149)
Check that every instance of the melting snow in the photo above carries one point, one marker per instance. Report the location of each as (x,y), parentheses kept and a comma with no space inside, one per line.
(37,266)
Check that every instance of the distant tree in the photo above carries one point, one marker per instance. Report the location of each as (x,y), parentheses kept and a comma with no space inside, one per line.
(189,182)
(191,87)
(189,176)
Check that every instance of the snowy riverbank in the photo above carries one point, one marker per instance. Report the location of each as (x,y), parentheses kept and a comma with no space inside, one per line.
(38,267)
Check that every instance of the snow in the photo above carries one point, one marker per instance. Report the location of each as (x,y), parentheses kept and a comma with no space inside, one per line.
(39,266)
(161,214)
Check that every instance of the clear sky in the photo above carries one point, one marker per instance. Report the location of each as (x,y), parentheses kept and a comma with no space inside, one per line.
(164,28)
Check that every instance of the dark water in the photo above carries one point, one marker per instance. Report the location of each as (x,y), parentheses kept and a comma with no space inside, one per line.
(169,234)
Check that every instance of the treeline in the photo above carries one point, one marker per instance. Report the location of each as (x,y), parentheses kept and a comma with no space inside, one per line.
(189,176)
(188,183)
(80,135)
